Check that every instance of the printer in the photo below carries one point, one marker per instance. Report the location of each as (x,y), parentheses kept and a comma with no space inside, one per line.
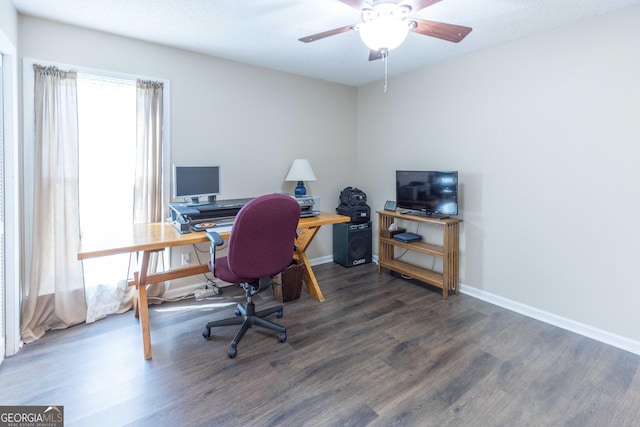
(185,215)
(309,205)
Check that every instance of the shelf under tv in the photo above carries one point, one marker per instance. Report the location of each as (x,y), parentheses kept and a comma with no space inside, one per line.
(449,251)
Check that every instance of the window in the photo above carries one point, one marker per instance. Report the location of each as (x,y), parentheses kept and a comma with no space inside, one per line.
(107,151)
(107,139)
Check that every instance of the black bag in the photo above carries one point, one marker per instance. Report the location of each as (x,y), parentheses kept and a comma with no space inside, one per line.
(353,203)
(353,196)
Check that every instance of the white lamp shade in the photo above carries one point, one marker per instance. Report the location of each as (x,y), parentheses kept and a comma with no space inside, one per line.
(300,170)
(384,33)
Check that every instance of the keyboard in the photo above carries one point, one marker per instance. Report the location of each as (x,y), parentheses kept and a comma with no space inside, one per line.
(221,228)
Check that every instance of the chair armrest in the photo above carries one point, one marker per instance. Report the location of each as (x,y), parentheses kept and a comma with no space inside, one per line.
(215,238)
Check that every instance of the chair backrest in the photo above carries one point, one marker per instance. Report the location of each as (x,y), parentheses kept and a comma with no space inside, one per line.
(263,236)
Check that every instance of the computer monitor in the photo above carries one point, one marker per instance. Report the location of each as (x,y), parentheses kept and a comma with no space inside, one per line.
(193,182)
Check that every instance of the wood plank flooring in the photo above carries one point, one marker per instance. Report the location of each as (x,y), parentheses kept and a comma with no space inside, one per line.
(380,351)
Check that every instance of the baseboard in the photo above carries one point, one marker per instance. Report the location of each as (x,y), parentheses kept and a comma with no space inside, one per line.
(321,260)
(555,320)
(182,290)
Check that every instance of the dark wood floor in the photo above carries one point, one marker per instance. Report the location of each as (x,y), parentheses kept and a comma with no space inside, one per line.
(379,351)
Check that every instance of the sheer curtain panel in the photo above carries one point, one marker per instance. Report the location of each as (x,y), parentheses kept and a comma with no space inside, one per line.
(148,200)
(54,297)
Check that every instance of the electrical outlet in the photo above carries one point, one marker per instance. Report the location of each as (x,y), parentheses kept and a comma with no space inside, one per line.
(185,259)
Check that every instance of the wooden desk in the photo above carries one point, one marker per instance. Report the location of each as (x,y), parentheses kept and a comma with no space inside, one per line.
(154,237)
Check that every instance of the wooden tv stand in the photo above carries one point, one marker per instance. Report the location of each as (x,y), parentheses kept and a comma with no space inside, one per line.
(449,251)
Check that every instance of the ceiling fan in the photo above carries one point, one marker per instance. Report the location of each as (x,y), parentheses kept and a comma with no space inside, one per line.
(385,25)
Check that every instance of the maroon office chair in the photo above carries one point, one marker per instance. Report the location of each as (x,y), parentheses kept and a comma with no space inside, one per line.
(261,245)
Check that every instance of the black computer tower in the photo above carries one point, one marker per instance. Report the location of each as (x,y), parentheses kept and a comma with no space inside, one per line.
(352,243)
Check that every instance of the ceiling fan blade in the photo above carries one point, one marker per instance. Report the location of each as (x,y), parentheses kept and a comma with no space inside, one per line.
(374,55)
(450,32)
(417,5)
(324,34)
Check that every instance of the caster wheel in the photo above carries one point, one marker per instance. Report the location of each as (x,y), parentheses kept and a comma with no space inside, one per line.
(206,332)
(282,337)
(279,314)
(237,312)
(232,352)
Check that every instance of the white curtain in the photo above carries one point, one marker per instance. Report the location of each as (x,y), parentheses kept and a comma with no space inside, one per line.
(54,297)
(148,200)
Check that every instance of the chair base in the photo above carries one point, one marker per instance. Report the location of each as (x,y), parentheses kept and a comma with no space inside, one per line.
(247,317)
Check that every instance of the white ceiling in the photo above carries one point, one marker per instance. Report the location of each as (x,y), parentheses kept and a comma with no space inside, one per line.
(266,32)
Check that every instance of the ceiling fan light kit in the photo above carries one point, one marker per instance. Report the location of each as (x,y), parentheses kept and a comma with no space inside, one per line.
(384,26)
(388,34)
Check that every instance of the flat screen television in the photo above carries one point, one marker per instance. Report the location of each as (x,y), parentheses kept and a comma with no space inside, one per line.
(431,193)
(193,182)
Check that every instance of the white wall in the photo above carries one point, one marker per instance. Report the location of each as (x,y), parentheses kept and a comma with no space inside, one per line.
(9,21)
(252,121)
(545,133)
(9,286)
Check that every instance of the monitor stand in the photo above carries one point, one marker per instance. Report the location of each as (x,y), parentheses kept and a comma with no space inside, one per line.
(195,201)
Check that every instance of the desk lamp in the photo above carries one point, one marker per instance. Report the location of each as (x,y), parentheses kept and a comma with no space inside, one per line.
(300,171)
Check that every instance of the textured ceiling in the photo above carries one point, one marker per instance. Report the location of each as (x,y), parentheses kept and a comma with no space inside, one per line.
(266,32)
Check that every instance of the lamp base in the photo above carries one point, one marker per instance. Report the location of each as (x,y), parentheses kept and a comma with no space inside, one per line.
(300,191)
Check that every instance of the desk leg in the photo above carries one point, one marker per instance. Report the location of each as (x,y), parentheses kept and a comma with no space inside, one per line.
(302,243)
(143,308)
(136,309)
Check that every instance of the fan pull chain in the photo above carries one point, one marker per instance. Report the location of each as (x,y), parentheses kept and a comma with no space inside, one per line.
(385,57)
